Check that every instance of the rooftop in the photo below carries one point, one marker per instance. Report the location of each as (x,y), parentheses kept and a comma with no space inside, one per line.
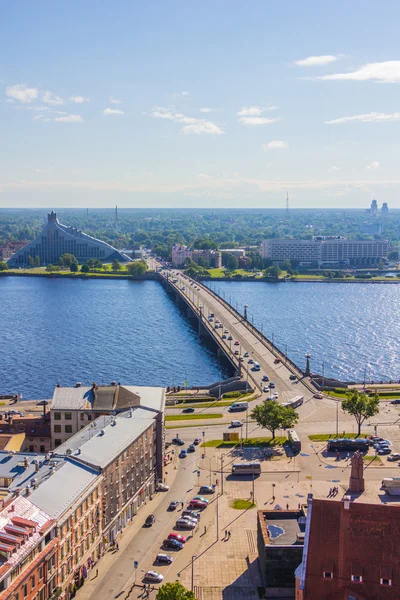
(282,527)
(98,444)
(21,468)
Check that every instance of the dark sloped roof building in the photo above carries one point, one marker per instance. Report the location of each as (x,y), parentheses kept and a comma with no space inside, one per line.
(57,239)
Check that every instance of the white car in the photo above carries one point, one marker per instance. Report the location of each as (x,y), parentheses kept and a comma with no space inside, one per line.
(275,396)
(153,576)
(162,487)
(266,389)
(184,524)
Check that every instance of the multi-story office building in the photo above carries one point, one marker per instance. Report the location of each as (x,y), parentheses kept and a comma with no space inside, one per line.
(181,253)
(321,251)
(384,209)
(57,239)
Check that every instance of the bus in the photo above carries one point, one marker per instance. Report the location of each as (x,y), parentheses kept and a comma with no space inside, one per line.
(237,406)
(294,440)
(246,468)
(256,366)
(348,444)
(294,402)
(391,485)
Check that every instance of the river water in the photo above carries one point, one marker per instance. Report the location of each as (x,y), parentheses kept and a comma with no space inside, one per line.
(71,330)
(96,330)
(351,328)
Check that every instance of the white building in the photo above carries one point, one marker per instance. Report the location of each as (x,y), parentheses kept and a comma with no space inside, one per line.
(322,251)
(180,253)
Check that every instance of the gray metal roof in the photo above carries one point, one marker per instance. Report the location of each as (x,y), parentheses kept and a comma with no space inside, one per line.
(63,488)
(74,398)
(101,442)
(83,397)
(150,397)
(12,466)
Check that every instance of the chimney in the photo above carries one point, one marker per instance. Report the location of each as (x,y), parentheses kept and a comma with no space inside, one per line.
(37,464)
(26,462)
(27,490)
(346,502)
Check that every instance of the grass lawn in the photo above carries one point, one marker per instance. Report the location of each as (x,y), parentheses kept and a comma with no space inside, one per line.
(191,425)
(191,417)
(241,504)
(343,395)
(247,443)
(376,460)
(202,405)
(324,437)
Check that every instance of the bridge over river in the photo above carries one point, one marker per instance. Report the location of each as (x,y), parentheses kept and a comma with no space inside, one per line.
(200,303)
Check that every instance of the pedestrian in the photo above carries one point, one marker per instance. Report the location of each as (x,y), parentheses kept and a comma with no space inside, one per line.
(229,535)
(97,573)
(330,492)
(226,533)
(116,546)
(287,506)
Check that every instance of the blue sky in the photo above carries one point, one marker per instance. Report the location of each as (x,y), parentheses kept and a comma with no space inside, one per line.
(206,104)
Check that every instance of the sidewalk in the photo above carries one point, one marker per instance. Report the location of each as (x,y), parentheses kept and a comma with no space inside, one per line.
(106,563)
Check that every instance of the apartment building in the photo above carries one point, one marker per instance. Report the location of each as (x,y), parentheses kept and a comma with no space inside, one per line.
(322,251)
(123,449)
(28,552)
(181,253)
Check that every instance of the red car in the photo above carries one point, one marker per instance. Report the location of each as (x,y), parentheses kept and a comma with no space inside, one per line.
(277,360)
(236,343)
(177,537)
(197,504)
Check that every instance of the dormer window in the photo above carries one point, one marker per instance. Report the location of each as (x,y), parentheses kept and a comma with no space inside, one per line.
(328,575)
(357,578)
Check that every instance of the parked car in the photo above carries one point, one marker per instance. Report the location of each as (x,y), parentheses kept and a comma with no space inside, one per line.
(197,504)
(197,441)
(149,521)
(275,396)
(230,338)
(277,361)
(246,354)
(192,514)
(173,505)
(153,576)
(292,377)
(206,489)
(384,450)
(174,544)
(318,396)
(394,456)
(191,448)
(165,559)
(177,537)
(250,361)
(265,389)
(201,499)
(235,423)
(224,337)
(183,453)
(162,487)
(271,385)
(236,352)
(236,343)
(265,378)
(189,409)
(396,401)
(178,442)
(185,524)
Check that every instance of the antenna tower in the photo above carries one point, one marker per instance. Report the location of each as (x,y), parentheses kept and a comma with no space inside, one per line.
(287,204)
(116,219)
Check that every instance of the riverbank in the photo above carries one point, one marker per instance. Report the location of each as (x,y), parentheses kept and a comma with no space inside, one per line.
(305,279)
(69,275)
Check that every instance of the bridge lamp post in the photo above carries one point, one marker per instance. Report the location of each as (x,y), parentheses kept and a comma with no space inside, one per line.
(245,312)
(308,371)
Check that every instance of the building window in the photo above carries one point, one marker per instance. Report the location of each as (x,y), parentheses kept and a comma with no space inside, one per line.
(82,416)
(328,575)
(68,416)
(41,573)
(33,582)
(357,578)
(57,416)
(42,449)
(386,581)
(31,448)
(68,429)
(89,417)
(57,443)
(57,428)
(25,590)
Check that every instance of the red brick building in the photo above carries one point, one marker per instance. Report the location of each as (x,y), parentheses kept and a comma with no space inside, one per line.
(351,552)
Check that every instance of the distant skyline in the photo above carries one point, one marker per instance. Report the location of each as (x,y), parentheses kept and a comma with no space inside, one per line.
(213,105)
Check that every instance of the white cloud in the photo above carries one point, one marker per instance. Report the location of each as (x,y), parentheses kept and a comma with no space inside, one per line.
(185,93)
(190,124)
(388,72)
(335,168)
(115,100)
(275,145)
(367,118)
(257,120)
(79,99)
(206,109)
(374,165)
(50,98)
(69,119)
(112,111)
(22,93)
(255,111)
(316,61)
(204,176)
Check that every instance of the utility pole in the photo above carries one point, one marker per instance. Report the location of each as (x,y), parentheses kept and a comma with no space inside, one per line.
(247,424)
(222,473)
(337,418)
(116,219)
(323,375)
(252,493)
(217,519)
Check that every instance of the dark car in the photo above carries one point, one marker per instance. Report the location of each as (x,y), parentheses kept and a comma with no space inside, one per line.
(165,559)
(271,385)
(384,450)
(173,544)
(265,378)
(149,520)
(396,401)
(197,441)
(178,442)
(173,505)
(189,409)
(206,489)
(191,448)
(292,377)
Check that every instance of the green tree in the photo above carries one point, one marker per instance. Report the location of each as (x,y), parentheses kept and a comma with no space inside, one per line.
(232,262)
(94,263)
(3,265)
(67,259)
(85,268)
(272,416)
(53,268)
(73,267)
(174,591)
(361,406)
(36,261)
(272,271)
(137,267)
(116,265)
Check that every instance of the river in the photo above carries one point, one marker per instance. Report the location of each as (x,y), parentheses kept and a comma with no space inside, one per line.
(351,328)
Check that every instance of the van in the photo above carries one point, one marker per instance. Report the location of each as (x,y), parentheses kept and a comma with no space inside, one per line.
(237,406)
(236,424)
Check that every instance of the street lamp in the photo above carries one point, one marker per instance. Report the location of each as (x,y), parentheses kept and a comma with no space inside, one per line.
(307,372)
(245,312)
(273,492)
(323,375)
(193,557)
